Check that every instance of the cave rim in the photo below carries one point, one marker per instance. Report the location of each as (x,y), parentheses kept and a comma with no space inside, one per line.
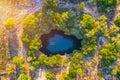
(45,37)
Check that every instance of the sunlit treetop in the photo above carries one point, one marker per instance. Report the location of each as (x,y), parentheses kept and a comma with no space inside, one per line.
(9,24)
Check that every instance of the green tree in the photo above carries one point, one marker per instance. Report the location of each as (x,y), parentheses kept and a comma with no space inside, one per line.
(9,24)
(89,46)
(86,24)
(22,68)
(18,60)
(35,44)
(59,19)
(107,3)
(116,72)
(82,6)
(50,4)
(92,2)
(99,29)
(49,75)
(55,60)
(117,21)
(76,67)
(43,60)
(10,69)
(24,77)
(31,37)
(109,55)
(116,41)
(111,32)
(35,64)
(30,26)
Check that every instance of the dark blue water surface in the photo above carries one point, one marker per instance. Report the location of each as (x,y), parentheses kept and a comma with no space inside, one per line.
(56,42)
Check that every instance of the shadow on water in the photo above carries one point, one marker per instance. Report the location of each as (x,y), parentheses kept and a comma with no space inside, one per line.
(56,42)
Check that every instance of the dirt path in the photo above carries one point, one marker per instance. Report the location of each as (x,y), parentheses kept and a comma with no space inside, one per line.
(92,11)
(40,74)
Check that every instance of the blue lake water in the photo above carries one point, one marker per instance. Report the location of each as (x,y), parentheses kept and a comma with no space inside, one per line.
(56,42)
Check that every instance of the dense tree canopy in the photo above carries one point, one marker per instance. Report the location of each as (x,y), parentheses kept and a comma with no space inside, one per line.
(109,55)
(76,66)
(117,21)
(107,3)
